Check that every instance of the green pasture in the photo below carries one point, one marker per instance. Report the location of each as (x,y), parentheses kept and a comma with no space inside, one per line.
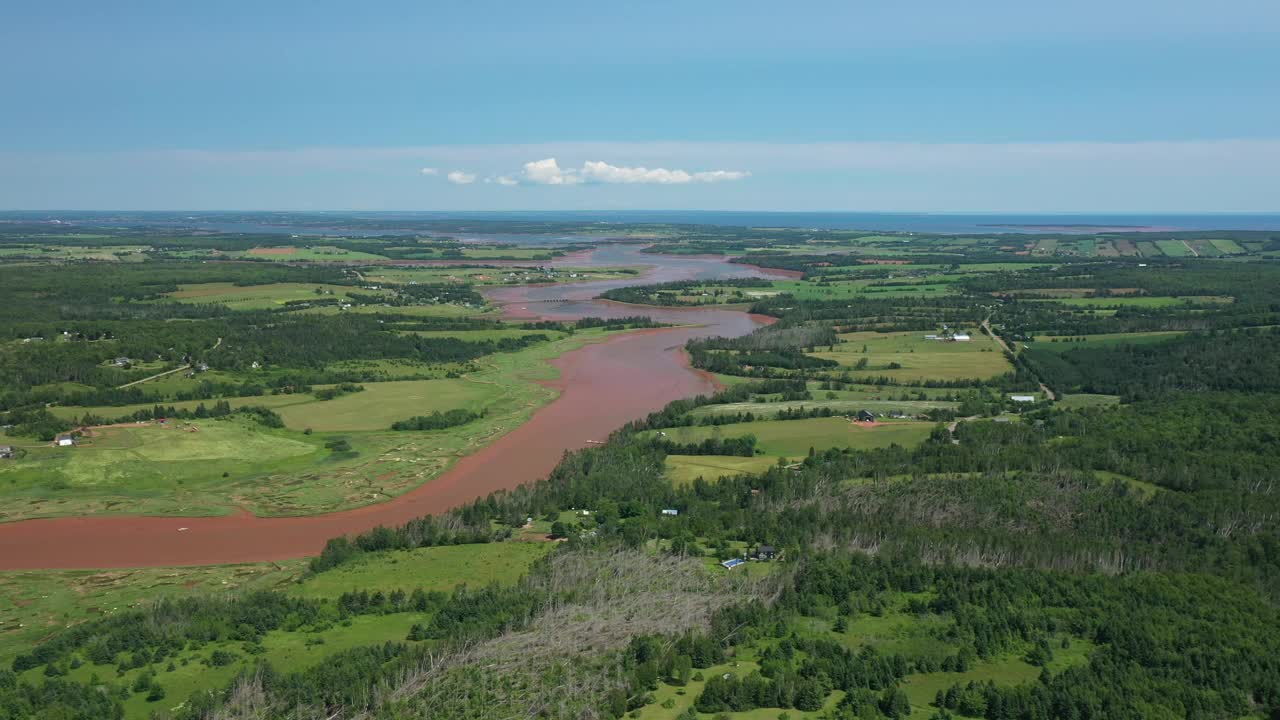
(684,469)
(261,297)
(435,568)
(314,253)
(918,358)
(769,409)
(178,468)
(793,438)
(1173,248)
(383,403)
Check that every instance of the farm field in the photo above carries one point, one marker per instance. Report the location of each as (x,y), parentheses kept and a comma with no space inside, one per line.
(383,403)
(260,297)
(176,468)
(769,409)
(684,469)
(435,568)
(793,438)
(111,412)
(919,359)
(1174,248)
(314,253)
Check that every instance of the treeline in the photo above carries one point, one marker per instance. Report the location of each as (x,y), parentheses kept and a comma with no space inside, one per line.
(438,420)
(1230,360)
(744,446)
(222,408)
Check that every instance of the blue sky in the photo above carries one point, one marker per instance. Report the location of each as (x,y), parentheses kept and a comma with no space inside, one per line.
(1003,106)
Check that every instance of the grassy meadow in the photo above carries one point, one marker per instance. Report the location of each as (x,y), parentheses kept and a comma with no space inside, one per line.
(793,438)
(918,358)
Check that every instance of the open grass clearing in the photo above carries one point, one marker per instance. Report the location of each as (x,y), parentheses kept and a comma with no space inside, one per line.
(435,568)
(186,468)
(793,438)
(383,403)
(684,469)
(261,297)
(766,410)
(917,358)
(1087,400)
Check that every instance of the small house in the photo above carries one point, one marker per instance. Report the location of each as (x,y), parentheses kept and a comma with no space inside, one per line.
(766,552)
(120,361)
(670,511)
(866,416)
(6,452)
(65,440)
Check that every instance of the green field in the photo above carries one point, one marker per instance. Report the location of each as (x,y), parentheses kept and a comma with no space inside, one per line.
(919,359)
(435,568)
(1228,247)
(1145,301)
(261,297)
(176,468)
(383,403)
(1083,400)
(684,469)
(793,438)
(1173,248)
(838,405)
(314,253)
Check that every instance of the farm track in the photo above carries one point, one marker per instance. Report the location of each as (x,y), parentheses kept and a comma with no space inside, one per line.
(166,372)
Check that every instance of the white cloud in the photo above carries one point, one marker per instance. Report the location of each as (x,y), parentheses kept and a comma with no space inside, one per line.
(604,172)
(548,172)
(506,180)
(457,177)
(429,171)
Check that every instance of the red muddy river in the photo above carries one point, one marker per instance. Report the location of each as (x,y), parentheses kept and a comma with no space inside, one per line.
(602,386)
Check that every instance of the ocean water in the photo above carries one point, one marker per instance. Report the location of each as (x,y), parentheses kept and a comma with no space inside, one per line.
(397,223)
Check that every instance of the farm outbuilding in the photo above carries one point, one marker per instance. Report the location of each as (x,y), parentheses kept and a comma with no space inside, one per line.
(1023,398)
(866,416)
(65,440)
(6,451)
